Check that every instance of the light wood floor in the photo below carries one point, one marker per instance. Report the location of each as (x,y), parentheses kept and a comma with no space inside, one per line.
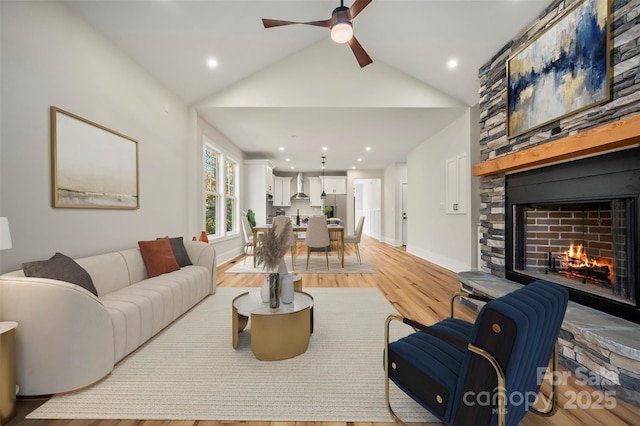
(419,290)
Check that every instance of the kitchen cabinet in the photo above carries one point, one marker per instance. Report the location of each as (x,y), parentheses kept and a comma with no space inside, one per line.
(315,190)
(269,179)
(281,191)
(258,183)
(335,185)
(456,184)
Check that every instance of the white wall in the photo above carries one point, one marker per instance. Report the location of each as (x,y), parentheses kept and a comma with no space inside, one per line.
(441,238)
(49,56)
(394,175)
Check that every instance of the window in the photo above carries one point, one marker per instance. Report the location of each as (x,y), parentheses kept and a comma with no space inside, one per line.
(230,194)
(220,192)
(211,195)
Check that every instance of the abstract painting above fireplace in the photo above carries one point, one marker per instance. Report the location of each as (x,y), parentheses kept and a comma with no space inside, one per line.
(577,224)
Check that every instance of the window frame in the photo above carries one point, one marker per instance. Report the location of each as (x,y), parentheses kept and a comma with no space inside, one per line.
(233,196)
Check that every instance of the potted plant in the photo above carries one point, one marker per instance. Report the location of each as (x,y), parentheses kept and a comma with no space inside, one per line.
(327,211)
(251,217)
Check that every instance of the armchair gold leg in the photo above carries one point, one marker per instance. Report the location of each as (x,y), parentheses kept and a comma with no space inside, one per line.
(502,387)
(386,369)
(553,398)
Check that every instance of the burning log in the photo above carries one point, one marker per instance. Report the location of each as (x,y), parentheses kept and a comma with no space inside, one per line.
(576,263)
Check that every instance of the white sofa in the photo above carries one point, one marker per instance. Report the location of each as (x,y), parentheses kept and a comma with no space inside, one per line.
(67,338)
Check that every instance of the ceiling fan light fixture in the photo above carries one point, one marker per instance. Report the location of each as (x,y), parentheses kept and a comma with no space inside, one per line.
(341,32)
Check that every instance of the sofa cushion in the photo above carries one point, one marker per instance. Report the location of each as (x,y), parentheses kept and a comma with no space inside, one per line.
(179,251)
(158,257)
(60,267)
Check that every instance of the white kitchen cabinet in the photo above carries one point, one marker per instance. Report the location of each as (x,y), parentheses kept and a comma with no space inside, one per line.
(281,191)
(258,182)
(335,185)
(456,184)
(315,190)
(269,179)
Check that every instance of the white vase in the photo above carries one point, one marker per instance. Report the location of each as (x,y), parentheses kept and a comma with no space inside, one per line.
(264,290)
(287,289)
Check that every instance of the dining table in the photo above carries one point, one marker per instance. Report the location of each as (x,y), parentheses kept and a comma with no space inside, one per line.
(333,228)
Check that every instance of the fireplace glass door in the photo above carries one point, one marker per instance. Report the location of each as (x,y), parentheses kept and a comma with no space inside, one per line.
(585,246)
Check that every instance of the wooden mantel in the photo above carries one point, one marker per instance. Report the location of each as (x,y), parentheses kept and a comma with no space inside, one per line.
(619,134)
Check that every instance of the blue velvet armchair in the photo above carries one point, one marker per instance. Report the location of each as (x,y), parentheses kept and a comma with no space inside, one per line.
(484,373)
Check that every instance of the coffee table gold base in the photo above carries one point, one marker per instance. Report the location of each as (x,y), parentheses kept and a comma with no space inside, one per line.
(275,336)
(278,337)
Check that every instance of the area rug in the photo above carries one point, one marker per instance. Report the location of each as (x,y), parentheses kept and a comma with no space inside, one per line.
(191,372)
(317,265)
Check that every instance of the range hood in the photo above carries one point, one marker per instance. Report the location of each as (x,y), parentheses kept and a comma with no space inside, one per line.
(299,195)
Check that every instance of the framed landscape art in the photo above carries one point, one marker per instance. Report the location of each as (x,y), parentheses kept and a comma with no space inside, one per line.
(93,166)
(564,70)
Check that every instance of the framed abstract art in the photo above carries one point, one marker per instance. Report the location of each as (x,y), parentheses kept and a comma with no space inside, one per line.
(564,70)
(93,166)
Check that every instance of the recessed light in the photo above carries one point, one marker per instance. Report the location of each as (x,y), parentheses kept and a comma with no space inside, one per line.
(287,159)
(324,148)
(281,148)
(212,63)
(293,167)
(359,159)
(368,148)
(452,64)
(353,167)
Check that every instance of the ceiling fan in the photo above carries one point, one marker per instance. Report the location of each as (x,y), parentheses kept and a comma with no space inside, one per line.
(340,26)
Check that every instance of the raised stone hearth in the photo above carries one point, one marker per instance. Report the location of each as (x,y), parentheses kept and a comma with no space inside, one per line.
(601,349)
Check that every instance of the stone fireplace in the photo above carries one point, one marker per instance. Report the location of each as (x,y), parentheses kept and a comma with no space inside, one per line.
(610,128)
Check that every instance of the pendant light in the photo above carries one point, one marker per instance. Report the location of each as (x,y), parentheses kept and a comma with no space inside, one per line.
(324,194)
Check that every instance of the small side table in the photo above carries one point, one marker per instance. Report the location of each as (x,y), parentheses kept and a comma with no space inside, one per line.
(7,371)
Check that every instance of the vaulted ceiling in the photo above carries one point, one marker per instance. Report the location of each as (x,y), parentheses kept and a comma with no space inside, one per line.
(287,92)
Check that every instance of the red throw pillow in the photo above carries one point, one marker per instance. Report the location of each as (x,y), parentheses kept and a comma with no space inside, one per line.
(158,257)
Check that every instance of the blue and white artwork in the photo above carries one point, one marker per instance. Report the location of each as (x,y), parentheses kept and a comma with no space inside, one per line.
(563,71)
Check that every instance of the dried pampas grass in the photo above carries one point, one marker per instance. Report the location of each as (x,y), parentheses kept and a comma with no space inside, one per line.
(273,245)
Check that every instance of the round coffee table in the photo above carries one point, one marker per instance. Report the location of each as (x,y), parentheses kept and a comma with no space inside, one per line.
(274,335)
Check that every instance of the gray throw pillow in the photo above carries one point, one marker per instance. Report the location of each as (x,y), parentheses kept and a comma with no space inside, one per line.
(179,251)
(60,267)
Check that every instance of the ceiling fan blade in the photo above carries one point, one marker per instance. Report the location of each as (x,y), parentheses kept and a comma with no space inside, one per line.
(358,51)
(270,23)
(357,7)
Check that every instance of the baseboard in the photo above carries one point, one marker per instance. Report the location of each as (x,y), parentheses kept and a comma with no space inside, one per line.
(227,256)
(391,241)
(440,260)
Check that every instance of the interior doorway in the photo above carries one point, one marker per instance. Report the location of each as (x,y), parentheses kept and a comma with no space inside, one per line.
(404,218)
(367,199)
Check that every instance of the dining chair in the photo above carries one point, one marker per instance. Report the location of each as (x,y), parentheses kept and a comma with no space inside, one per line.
(279,222)
(248,237)
(483,373)
(317,236)
(356,237)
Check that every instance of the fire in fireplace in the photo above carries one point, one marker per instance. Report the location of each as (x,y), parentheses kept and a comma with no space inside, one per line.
(578,224)
(580,245)
(575,263)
